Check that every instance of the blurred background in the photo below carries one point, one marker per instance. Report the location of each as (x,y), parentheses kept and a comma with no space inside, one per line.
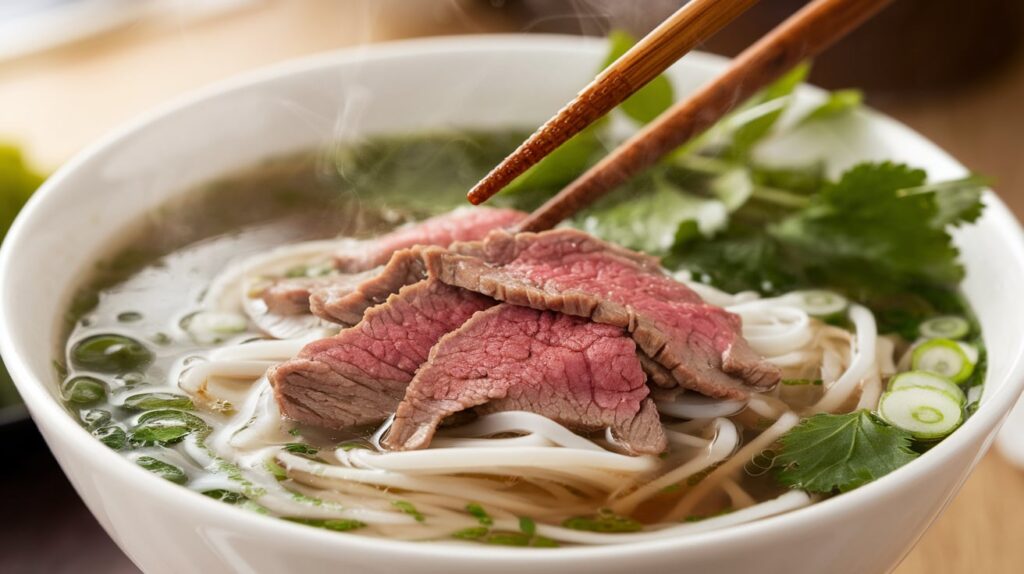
(71,70)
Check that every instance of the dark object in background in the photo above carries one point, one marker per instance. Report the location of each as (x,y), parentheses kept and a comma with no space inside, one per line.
(914,45)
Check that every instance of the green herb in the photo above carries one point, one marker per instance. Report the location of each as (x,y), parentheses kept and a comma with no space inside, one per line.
(112,436)
(484,535)
(227,496)
(801,382)
(604,521)
(165,427)
(408,508)
(481,515)
(572,158)
(878,235)
(93,418)
(275,469)
(150,401)
(110,354)
(827,453)
(527,525)
(866,221)
(336,524)
(162,469)
(84,390)
(649,220)
(474,533)
(301,448)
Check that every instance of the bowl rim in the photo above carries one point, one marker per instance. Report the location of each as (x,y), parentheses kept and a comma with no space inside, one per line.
(45,406)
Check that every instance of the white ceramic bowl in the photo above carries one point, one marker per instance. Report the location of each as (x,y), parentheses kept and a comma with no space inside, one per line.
(467,82)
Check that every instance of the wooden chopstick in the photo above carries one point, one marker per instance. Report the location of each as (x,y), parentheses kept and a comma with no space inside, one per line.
(808,32)
(680,33)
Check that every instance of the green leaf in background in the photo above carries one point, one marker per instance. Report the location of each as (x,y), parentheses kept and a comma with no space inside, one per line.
(648,220)
(572,158)
(838,103)
(773,100)
(561,166)
(162,469)
(649,101)
(17,182)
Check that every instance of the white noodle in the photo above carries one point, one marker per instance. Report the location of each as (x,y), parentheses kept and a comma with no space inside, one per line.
(725,442)
(864,348)
(734,464)
(785,503)
(696,406)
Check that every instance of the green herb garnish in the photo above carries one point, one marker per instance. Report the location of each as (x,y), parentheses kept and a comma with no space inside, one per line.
(827,453)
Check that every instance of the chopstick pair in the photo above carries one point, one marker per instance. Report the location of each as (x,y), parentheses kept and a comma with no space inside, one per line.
(804,35)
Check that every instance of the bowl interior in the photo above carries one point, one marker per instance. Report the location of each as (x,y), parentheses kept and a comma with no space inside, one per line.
(503,82)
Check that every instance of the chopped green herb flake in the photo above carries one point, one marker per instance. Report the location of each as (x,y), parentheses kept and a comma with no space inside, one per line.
(301,448)
(275,469)
(84,390)
(336,524)
(112,436)
(481,515)
(151,401)
(165,427)
(605,521)
(408,508)
(228,496)
(162,469)
(527,525)
(474,533)
(801,382)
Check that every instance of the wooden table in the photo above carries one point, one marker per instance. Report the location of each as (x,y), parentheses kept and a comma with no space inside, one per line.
(57,102)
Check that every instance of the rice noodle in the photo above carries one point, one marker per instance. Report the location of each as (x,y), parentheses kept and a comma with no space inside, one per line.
(863,350)
(785,503)
(725,442)
(735,463)
(696,406)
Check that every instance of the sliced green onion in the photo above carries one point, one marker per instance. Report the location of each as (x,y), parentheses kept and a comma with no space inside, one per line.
(945,327)
(944,357)
(924,412)
(927,380)
(820,303)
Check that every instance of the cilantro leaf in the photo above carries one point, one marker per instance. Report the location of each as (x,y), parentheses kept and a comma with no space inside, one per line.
(826,453)
(863,228)
(958,200)
(649,101)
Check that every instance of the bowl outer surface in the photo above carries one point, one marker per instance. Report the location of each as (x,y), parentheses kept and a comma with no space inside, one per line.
(428,84)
